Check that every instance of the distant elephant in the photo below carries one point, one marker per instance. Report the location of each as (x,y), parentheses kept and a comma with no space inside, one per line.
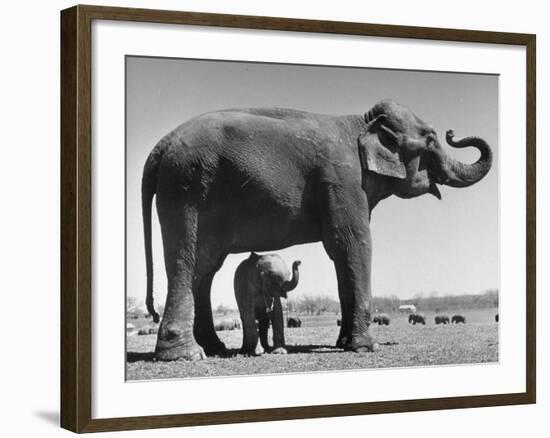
(442,319)
(260,283)
(381,319)
(148,331)
(417,318)
(496,317)
(293,322)
(227,324)
(458,318)
(242,180)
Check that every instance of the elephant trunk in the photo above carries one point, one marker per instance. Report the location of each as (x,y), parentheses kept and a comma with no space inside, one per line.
(293,282)
(458,174)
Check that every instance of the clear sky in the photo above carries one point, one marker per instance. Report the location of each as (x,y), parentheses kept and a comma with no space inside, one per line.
(421,245)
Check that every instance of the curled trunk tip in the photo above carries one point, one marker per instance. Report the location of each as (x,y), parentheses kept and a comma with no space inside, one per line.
(293,282)
(463,175)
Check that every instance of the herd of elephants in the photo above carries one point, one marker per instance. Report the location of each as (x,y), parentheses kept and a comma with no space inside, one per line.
(264,179)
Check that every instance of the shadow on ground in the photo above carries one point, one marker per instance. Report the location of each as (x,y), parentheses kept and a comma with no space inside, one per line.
(139,357)
(313,348)
(132,356)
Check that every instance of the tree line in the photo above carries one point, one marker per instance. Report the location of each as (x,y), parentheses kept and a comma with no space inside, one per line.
(310,304)
(433,302)
(317,304)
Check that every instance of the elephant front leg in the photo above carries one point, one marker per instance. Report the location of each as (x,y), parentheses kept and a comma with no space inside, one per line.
(251,342)
(350,249)
(263,327)
(346,238)
(278,327)
(346,310)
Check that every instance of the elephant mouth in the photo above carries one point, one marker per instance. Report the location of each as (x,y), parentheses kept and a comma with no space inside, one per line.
(434,190)
(434,178)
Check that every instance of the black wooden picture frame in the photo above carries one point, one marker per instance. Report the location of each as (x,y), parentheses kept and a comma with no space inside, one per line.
(76,217)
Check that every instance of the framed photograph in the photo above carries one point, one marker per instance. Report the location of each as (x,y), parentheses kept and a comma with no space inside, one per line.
(341,214)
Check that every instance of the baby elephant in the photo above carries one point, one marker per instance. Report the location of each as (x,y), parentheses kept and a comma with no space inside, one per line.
(458,318)
(441,319)
(260,283)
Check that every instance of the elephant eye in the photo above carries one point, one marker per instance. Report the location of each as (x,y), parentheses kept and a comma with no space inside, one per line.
(388,134)
(430,138)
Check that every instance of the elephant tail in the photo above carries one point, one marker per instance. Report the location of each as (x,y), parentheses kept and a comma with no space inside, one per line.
(148,190)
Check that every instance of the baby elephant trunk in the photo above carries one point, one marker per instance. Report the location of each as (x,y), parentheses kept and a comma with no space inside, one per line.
(293,282)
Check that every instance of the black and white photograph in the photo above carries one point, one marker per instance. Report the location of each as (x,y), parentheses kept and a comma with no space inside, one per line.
(286,218)
(275,219)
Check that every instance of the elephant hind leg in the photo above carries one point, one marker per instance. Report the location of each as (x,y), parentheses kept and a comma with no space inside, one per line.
(175,337)
(203,329)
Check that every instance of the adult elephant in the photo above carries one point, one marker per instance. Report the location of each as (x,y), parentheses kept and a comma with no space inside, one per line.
(458,318)
(417,318)
(264,179)
(293,322)
(260,282)
(441,319)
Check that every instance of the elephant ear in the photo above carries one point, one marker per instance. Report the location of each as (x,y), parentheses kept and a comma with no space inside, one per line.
(378,155)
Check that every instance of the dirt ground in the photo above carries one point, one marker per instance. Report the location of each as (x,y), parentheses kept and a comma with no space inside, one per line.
(311,348)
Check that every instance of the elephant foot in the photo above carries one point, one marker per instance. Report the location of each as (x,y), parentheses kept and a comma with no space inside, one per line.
(215,349)
(341,341)
(279,350)
(258,351)
(174,343)
(362,344)
(209,341)
(363,348)
(185,352)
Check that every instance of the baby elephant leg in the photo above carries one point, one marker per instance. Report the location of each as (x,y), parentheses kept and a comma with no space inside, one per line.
(278,327)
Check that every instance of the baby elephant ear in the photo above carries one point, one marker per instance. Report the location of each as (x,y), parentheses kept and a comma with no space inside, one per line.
(376,156)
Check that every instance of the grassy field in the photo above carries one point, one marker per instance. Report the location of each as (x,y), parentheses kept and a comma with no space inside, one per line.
(311,348)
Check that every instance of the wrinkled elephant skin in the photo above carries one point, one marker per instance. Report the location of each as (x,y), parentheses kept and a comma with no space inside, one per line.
(244,180)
